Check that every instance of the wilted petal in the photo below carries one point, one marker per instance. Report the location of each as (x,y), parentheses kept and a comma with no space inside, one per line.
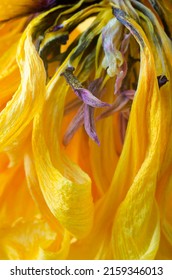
(65,187)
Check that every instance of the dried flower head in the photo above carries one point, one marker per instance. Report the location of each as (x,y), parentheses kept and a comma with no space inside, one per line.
(85,129)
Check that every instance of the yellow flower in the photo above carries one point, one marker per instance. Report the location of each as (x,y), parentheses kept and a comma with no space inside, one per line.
(85,129)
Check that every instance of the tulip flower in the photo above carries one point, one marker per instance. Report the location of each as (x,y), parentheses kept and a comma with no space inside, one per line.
(85,129)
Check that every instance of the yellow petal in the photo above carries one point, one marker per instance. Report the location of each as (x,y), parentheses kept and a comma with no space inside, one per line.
(136,226)
(57,254)
(165,249)
(29,97)
(66,188)
(13,193)
(35,190)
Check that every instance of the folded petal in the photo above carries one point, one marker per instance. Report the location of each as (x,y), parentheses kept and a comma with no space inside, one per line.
(65,187)
(137,221)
